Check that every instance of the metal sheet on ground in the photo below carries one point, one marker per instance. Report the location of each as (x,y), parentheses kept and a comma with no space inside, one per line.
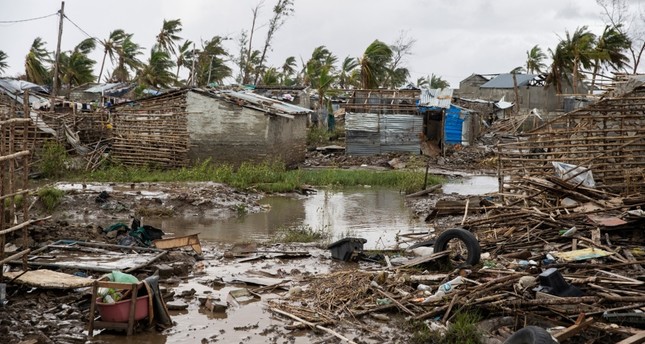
(45,278)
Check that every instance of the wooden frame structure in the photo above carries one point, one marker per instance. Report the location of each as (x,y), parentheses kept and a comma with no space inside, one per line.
(14,171)
(607,138)
(152,132)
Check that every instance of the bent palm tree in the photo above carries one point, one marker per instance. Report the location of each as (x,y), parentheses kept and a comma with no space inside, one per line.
(157,72)
(374,64)
(184,54)
(35,69)
(110,46)
(169,35)
(610,51)
(534,60)
(579,47)
(3,61)
(128,60)
(76,67)
(349,65)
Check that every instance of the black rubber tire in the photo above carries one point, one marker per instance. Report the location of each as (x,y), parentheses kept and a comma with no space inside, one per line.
(468,238)
(531,335)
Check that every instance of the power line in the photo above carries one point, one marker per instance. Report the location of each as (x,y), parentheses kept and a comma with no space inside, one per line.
(26,20)
(83,31)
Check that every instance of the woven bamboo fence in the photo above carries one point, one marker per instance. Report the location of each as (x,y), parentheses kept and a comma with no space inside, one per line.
(152,132)
(607,138)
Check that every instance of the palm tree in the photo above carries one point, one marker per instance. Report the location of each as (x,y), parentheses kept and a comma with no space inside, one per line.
(270,77)
(169,35)
(534,60)
(211,65)
(610,51)
(184,54)
(3,61)
(35,70)
(560,68)
(128,60)
(349,65)
(374,64)
(288,69)
(422,82)
(75,66)
(396,77)
(320,57)
(157,72)
(110,48)
(435,81)
(579,48)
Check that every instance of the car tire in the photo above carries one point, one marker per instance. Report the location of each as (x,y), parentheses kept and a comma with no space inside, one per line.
(468,238)
(531,335)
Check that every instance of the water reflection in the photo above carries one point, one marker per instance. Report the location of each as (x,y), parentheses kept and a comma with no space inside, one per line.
(374,214)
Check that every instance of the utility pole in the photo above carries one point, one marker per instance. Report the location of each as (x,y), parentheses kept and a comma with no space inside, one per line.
(60,34)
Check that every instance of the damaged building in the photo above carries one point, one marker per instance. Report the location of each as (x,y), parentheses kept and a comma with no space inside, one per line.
(191,125)
(406,121)
(605,141)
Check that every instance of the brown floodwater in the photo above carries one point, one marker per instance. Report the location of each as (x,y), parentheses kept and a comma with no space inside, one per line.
(374,214)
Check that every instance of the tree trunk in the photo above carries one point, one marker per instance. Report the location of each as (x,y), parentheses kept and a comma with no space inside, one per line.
(517,96)
(98,80)
(245,72)
(593,76)
(575,76)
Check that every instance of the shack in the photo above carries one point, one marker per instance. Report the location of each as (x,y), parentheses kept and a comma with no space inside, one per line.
(383,121)
(191,125)
(606,138)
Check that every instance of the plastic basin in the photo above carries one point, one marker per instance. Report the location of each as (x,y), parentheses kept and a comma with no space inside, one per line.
(120,311)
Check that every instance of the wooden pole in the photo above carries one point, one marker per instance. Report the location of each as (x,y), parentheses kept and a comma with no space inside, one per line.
(57,57)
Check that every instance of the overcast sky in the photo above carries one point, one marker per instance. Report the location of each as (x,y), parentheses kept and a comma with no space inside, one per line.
(453,38)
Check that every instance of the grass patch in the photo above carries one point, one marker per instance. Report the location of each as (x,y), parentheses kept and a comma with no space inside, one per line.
(317,136)
(267,177)
(50,197)
(154,212)
(301,234)
(463,330)
(53,158)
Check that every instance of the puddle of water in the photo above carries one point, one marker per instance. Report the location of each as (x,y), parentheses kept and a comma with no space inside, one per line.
(374,214)
(472,186)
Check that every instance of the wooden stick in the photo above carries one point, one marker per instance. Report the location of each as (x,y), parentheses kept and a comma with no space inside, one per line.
(332,332)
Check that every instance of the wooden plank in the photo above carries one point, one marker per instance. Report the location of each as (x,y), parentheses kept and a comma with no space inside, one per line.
(635,339)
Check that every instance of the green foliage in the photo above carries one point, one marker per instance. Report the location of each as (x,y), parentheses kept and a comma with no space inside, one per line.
(301,234)
(50,197)
(267,176)
(52,159)
(17,200)
(462,330)
(321,136)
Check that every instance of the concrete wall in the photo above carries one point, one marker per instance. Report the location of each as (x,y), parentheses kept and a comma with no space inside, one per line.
(228,133)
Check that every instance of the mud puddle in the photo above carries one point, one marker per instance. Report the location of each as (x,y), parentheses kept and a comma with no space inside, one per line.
(245,320)
(374,214)
(471,185)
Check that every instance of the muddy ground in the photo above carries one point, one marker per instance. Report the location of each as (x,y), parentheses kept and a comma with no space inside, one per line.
(34,315)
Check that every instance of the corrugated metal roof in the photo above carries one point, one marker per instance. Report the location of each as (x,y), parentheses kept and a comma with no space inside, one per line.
(436,97)
(506,80)
(100,88)
(17,86)
(268,104)
(371,134)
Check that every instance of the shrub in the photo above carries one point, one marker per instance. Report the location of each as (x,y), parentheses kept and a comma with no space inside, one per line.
(52,161)
(50,197)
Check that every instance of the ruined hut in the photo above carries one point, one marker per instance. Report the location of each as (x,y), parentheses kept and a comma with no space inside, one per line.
(531,90)
(102,94)
(606,138)
(410,121)
(190,125)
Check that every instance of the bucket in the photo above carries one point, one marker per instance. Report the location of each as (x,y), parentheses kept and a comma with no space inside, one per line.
(120,311)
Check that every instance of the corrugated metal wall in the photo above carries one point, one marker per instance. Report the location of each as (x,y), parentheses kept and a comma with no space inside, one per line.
(452,126)
(371,134)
